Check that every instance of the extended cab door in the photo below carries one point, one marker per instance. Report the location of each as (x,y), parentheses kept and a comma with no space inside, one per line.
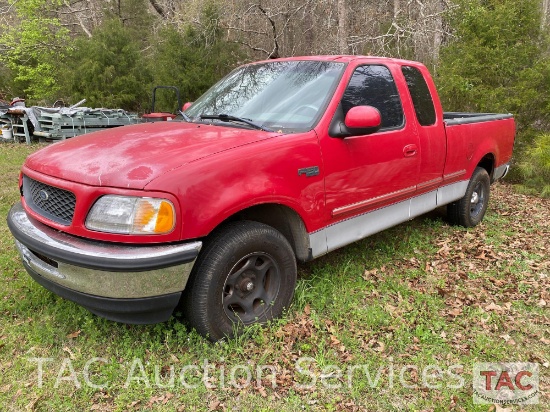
(431,131)
(368,173)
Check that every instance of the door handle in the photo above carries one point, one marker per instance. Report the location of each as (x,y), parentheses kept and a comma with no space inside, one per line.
(410,150)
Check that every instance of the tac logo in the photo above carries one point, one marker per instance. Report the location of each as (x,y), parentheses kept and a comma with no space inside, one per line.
(506,383)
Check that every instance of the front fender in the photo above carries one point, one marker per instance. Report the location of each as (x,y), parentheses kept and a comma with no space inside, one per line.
(212,189)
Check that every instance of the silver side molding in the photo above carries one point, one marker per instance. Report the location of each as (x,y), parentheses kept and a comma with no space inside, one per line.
(359,227)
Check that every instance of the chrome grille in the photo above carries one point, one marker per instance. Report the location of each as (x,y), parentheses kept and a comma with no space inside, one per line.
(49,201)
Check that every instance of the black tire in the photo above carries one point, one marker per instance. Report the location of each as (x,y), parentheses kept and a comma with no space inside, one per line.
(469,210)
(245,274)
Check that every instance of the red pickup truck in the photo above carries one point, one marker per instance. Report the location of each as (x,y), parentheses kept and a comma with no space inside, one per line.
(281,161)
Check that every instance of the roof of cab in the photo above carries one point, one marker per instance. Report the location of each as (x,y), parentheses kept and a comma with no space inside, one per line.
(340,58)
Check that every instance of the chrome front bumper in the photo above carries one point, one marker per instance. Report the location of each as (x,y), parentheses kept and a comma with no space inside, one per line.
(80,269)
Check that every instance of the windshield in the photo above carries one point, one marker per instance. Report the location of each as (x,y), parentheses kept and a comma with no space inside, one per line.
(279,95)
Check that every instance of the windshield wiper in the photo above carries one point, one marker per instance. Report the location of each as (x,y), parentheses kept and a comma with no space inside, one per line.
(229,118)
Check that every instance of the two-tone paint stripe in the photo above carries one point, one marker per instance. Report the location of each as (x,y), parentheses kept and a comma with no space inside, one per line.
(358,227)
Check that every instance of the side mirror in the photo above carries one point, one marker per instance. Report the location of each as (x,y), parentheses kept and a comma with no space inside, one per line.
(363,120)
(186,106)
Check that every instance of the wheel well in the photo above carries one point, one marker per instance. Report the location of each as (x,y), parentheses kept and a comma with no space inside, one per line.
(283,219)
(488,163)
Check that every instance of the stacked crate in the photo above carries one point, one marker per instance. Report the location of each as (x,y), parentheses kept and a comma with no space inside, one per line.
(21,127)
(18,124)
(60,126)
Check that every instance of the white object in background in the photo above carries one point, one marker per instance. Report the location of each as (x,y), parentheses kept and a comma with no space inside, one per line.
(7,134)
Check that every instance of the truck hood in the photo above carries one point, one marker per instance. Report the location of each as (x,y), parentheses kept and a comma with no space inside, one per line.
(133,156)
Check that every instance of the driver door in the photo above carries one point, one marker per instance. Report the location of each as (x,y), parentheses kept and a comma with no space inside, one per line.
(368,173)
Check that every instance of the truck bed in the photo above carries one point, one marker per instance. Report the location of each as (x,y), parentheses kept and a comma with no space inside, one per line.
(471,136)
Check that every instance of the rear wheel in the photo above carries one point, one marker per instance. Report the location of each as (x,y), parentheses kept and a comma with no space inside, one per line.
(246,274)
(469,210)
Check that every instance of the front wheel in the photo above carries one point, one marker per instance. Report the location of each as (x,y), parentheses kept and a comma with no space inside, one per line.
(246,274)
(469,210)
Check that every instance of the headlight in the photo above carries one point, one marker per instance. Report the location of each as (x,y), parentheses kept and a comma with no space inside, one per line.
(131,215)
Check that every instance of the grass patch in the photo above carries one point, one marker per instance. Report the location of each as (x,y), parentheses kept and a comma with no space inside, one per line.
(393,322)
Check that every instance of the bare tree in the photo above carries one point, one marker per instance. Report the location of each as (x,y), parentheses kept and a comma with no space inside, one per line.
(158,8)
(81,13)
(414,29)
(343,27)
(273,30)
(544,14)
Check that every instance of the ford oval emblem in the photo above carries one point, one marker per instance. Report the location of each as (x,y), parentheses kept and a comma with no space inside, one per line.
(43,195)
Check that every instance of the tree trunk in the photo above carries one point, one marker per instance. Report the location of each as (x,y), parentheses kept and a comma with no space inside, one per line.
(438,30)
(158,8)
(396,8)
(544,14)
(342,27)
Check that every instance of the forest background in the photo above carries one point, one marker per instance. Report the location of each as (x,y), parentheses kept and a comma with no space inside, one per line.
(485,55)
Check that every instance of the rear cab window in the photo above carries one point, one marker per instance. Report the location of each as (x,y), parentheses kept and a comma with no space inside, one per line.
(420,94)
